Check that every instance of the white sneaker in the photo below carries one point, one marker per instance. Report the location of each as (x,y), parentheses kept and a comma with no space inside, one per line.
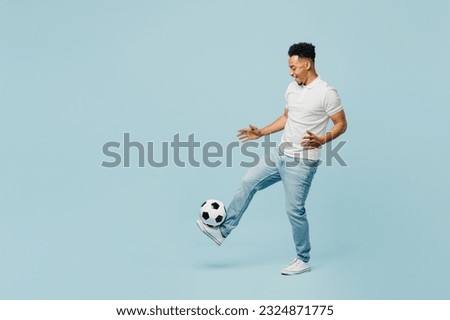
(296,266)
(212,232)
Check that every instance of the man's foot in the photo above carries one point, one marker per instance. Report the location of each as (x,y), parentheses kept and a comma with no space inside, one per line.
(296,266)
(212,232)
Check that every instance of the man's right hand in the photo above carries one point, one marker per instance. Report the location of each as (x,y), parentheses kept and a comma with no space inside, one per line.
(251,133)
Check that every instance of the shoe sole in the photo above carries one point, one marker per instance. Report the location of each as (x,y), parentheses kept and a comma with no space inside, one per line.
(202,228)
(287,273)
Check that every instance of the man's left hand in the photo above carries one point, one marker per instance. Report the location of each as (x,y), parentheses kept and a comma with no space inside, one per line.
(311,141)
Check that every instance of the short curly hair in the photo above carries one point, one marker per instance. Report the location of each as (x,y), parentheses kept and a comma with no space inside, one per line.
(303,50)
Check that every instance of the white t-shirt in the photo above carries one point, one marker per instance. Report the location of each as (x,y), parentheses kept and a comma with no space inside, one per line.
(309,108)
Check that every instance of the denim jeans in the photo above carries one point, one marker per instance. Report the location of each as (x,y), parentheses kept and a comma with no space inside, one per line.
(296,176)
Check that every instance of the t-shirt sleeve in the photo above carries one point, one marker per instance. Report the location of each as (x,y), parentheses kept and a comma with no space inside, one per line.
(332,102)
(286,98)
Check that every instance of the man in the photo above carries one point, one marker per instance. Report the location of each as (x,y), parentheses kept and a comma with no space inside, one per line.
(310,103)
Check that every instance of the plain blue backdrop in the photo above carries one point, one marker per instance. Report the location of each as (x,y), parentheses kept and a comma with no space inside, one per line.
(77,74)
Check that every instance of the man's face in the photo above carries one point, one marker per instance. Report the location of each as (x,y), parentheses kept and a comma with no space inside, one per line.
(299,68)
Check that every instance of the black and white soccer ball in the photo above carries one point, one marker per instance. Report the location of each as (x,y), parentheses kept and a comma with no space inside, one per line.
(213,212)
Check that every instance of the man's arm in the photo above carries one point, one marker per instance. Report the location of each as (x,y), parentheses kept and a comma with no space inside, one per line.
(339,127)
(253,132)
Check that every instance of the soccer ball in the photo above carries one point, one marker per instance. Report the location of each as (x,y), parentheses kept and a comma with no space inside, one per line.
(212,212)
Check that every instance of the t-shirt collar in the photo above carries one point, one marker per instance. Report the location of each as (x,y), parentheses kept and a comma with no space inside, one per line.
(313,83)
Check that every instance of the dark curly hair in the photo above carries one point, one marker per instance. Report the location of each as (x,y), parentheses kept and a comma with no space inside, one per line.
(303,50)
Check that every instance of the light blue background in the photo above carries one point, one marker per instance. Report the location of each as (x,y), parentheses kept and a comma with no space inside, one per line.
(76,74)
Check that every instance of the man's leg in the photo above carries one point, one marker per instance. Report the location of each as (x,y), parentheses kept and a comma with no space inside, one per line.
(257,178)
(297,176)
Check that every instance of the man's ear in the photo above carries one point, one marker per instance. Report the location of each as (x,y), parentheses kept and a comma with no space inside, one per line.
(308,64)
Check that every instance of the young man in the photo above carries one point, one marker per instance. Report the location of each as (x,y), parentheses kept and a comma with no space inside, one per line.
(310,103)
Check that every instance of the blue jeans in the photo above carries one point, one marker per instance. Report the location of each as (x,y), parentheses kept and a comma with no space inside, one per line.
(296,176)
